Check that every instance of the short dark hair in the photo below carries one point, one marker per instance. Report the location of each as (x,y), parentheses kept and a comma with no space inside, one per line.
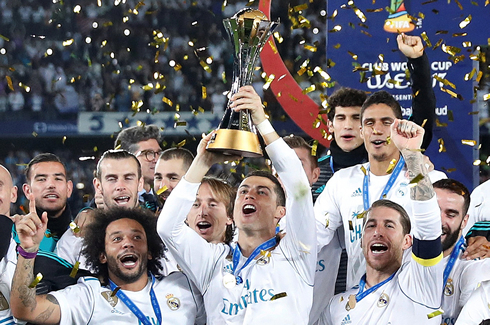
(404,218)
(344,97)
(42,157)
(178,153)
(94,239)
(128,138)
(382,97)
(281,195)
(295,141)
(117,154)
(456,187)
(226,194)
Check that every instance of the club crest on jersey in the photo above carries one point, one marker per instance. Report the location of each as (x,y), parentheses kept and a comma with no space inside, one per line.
(383,300)
(402,190)
(265,258)
(172,302)
(449,288)
(112,300)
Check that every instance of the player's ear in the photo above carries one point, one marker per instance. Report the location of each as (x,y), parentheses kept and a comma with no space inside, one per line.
(103,258)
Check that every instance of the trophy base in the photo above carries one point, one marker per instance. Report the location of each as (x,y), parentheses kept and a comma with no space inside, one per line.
(235,143)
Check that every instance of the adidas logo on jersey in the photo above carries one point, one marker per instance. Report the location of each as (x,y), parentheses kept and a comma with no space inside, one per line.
(357,192)
(346,320)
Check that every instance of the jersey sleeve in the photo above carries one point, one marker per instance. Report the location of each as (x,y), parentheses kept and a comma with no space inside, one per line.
(472,277)
(327,213)
(76,302)
(299,244)
(476,310)
(424,99)
(421,279)
(479,210)
(194,254)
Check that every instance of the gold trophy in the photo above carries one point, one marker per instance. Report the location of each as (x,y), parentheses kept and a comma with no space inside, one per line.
(248,31)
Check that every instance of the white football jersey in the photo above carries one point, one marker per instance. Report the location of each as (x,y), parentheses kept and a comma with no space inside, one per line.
(342,201)
(464,278)
(412,294)
(7,270)
(477,309)
(87,302)
(276,289)
(479,206)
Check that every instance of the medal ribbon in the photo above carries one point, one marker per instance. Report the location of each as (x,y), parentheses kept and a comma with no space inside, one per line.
(361,294)
(394,175)
(452,259)
(237,253)
(136,311)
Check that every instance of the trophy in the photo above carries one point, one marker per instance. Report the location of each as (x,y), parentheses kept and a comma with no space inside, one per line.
(248,31)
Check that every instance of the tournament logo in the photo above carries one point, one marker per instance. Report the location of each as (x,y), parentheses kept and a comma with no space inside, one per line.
(112,300)
(172,302)
(383,300)
(449,288)
(399,20)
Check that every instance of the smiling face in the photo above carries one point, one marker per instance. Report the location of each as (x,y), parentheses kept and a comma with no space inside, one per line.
(256,206)
(208,215)
(126,251)
(50,187)
(168,173)
(119,183)
(383,239)
(345,127)
(375,130)
(452,217)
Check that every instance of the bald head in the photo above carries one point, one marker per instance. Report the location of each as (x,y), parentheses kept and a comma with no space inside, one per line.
(8,192)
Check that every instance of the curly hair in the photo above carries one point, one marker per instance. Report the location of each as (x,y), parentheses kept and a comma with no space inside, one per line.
(94,240)
(345,97)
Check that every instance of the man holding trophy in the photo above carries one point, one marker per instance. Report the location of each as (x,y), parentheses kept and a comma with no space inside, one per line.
(263,276)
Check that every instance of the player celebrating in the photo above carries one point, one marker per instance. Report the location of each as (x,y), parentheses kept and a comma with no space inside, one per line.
(391,292)
(261,277)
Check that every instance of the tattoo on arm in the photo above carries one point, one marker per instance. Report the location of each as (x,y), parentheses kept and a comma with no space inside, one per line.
(423,191)
(52,299)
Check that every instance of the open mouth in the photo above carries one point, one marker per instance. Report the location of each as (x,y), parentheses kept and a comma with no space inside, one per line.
(51,196)
(347,137)
(248,208)
(378,248)
(202,225)
(378,142)
(122,199)
(129,260)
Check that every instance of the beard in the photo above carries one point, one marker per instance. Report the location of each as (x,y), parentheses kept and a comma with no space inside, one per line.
(451,238)
(127,277)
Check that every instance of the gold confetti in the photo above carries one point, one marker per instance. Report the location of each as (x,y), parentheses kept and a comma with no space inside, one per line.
(205,66)
(354,56)
(34,134)
(181,143)
(74,227)
(450,116)
(486,97)
(314,148)
(268,81)
(435,313)
(4,38)
(415,180)
(162,189)
(444,81)
(167,101)
(309,89)
(477,162)
(74,270)
(471,143)
(364,170)
(452,93)
(391,166)
(424,121)
(426,39)
(439,42)
(68,42)
(361,215)
(113,293)
(9,83)
(442,148)
(36,280)
(440,124)
(470,75)
(310,48)
(204,92)
(278,37)
(465,22)
(273,47)
(351,226)
(279,295)
(478,76)
(388,140)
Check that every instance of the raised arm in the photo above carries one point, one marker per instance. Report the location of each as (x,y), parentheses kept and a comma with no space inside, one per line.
(25,305)
(424,99)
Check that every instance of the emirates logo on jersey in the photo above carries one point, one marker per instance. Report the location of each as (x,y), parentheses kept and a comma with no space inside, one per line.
(172,302)
(112,300)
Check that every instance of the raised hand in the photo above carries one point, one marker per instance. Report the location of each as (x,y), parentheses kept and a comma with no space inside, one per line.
(411,46)
(406,135)
(247,98)
(30,228)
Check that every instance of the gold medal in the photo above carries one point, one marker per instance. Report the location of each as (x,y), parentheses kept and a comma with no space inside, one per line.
(229,281)
(351,303)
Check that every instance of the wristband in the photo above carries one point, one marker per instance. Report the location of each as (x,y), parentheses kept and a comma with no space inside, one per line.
(265,127)
(25,254)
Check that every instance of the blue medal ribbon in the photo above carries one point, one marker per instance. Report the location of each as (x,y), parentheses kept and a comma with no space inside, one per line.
(136,311)
(331,165)
(237,253)
(394,175)
(361,294)
(452,259)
